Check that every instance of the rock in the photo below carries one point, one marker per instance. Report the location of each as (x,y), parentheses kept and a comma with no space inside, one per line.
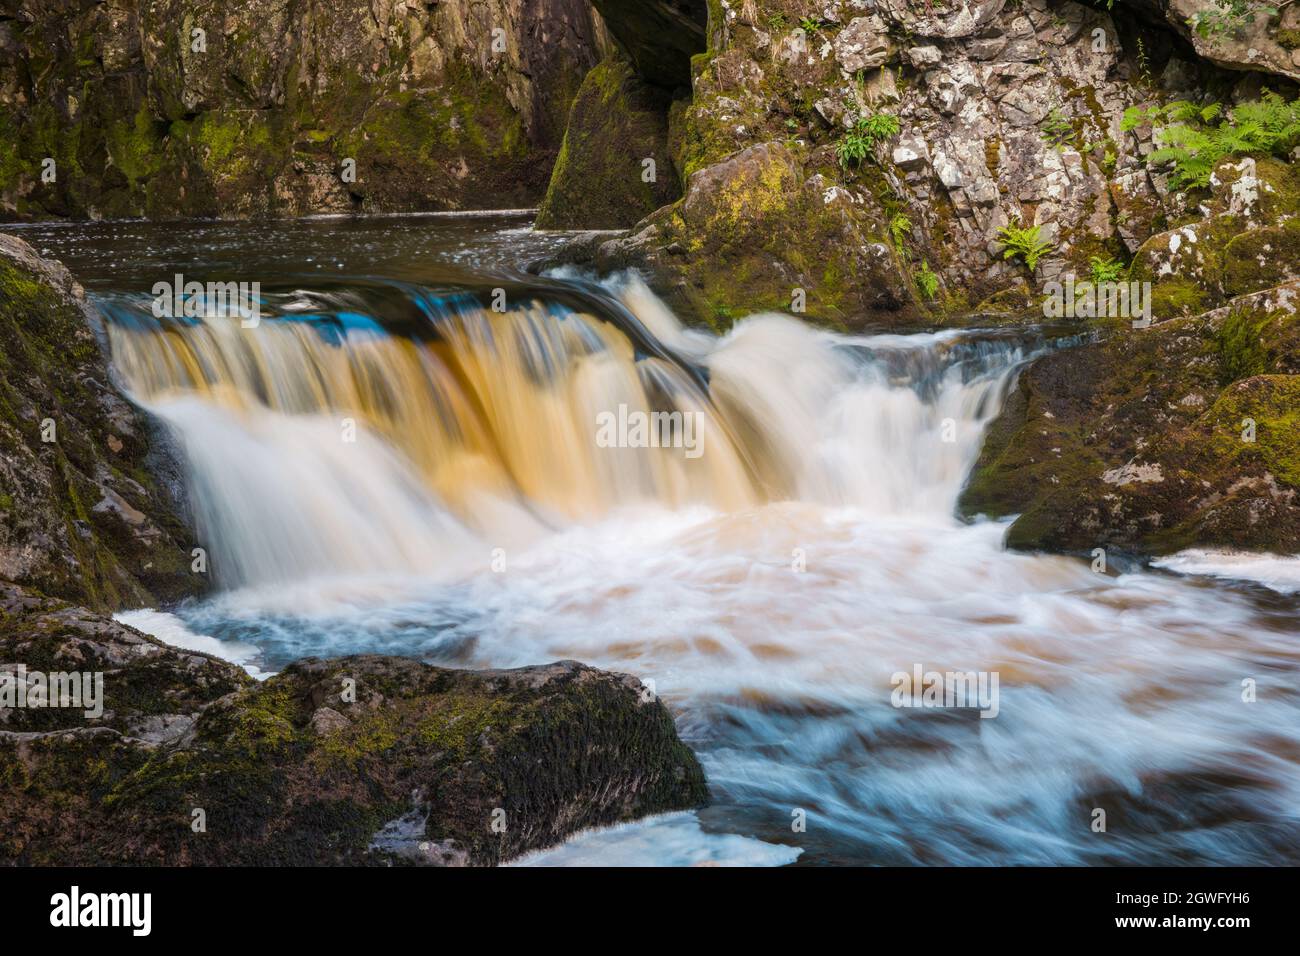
(862,45)
(436,110)
(925,57)
(753,229)
(88,514)
(961,19)
(616,124)
(1094,450)
(359,760)
(911,154)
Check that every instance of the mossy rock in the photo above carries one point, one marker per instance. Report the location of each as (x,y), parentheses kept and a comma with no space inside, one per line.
(1141,441)
(357,760)
(85,515)
(757,233)
(600,180)
(1261,258)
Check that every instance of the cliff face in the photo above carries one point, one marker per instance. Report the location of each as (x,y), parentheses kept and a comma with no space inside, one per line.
(248,108)
(86,507)
(862,158)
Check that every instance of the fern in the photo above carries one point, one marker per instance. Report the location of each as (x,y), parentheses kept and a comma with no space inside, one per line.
(1057,129)
(1024,242)
(862,137)
(1192,139)
(927,281)
(1106,270)
(899,227)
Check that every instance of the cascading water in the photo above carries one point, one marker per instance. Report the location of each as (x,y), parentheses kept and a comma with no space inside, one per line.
(769,587)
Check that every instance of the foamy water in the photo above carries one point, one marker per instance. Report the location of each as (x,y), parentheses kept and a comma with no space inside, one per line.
(769,593)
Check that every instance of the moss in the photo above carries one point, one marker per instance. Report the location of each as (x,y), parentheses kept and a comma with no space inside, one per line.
(1261,258)
(135,146)
(1171,298)
(598,182)
(1288,39)
(1240,346)
(1272,403)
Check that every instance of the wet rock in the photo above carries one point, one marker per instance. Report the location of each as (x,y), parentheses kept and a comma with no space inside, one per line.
(359,760)
(1095,450)
(86,510)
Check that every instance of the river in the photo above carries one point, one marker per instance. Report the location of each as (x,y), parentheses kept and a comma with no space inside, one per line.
(387,463)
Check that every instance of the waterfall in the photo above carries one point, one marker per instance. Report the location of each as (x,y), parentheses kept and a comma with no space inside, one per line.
(387,426)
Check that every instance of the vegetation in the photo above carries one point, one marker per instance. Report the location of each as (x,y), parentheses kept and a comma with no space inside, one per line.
(1228,17)
(927,281)
(1240,347)
(862,137)
(1025,242)
(899,227)
(1106,270)
(1057,128)
(1196,137)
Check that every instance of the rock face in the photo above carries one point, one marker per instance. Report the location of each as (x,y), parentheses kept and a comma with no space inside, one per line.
(359,760)
(614,166)
(1185,433)
(1255,36)
(86,510)
(242,108)
(1007,115)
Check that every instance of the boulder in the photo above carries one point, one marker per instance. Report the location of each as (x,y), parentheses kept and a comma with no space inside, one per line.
(755,228)
(357,760)
(1154,440)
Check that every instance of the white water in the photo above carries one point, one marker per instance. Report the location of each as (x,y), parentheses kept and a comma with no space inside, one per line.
(771,623)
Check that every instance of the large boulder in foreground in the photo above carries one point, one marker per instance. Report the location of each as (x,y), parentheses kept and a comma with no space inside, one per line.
(1183,434)
(357,760)
(89,507)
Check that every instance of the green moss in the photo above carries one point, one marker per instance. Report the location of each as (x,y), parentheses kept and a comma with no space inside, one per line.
(135,146)
(1261,258)
(598,182)
(1171,298)
(1288,39)
(1240,346)
(1272,402)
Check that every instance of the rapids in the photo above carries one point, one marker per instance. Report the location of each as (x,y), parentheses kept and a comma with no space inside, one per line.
(388,464)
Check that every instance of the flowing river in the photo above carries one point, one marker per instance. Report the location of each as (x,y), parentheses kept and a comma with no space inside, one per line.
(387,463)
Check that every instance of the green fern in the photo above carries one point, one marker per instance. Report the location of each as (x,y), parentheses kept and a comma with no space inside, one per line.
(1057,129)
(857,144)
(1193,138)
(927,281)
(1026,243)
(899,227)
(1106,270)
